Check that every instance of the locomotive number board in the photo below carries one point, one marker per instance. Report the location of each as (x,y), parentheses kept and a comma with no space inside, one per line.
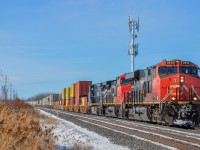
(185,63)
(170,62)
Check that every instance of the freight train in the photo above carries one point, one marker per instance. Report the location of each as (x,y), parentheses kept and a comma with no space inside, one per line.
(166,93)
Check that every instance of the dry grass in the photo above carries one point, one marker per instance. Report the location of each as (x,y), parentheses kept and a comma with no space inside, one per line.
(20,128)
(46,119)
(81,146)
(50,121)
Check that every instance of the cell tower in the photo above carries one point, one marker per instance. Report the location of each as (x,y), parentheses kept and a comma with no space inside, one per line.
(133,50)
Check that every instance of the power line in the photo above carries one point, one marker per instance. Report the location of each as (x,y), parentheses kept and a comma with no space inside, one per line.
(7,89)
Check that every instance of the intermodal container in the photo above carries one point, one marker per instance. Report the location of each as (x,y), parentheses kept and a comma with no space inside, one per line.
(56,104)
(72,90)
(84,101)
(71,102)
(63,96)
(82,89)
(64,93)
(67,102)
(67,93)
(63,102)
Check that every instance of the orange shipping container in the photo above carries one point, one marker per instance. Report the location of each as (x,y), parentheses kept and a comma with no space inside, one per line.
(81,90)
(71,102)
(63,101)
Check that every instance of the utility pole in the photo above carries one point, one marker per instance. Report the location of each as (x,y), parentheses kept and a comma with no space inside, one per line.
(16,95)
(133,50)
(13,94)
(7,89)
(4,89)
(10,86)
(1,74)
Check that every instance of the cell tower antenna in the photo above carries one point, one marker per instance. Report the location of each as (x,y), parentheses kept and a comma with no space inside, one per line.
(133,49)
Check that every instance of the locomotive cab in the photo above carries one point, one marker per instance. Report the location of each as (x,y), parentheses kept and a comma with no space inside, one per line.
(181,82)
(166,93)
(178,90)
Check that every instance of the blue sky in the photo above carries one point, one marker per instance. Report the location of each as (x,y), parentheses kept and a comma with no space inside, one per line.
(46,45)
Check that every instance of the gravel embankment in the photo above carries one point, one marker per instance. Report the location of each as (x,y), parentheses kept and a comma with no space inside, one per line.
(115,137)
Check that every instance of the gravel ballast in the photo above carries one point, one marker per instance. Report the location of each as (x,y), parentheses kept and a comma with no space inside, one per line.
(115,137)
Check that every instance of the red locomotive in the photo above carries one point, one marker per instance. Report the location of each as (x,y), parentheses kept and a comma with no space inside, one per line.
(166,93)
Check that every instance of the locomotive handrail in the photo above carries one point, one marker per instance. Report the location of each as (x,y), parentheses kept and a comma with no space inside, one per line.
(195,92)
(163,101)
(166,96)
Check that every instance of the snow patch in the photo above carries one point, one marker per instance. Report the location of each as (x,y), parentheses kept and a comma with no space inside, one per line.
(185,123)
(68,134)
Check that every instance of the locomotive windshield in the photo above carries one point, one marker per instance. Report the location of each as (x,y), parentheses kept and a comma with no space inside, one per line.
(125,81)
(188,70)
(166,71)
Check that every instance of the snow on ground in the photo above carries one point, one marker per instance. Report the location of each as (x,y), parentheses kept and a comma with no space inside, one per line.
(68,134)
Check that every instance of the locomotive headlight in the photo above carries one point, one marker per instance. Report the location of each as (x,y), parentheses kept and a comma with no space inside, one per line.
(195,98)
(182,79)
(173,98)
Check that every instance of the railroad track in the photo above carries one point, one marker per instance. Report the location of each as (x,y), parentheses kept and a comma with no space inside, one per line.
(163,136)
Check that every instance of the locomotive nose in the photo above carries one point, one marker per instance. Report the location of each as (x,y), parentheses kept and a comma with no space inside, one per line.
(184,88)
(178,87)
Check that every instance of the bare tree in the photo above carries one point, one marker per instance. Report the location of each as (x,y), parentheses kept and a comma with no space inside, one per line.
(4,88)
(4,92)
(39,96)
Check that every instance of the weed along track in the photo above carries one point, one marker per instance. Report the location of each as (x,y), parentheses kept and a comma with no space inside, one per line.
(20,128)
